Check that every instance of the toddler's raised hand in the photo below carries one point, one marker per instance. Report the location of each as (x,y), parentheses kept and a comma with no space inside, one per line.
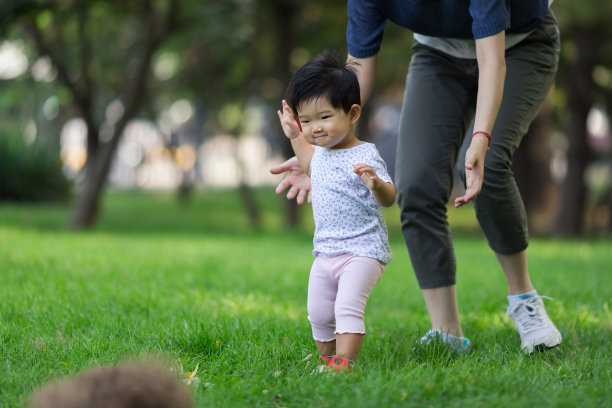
(289,122)
(367,174)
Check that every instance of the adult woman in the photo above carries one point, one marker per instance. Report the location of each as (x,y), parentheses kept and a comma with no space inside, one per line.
(464,53)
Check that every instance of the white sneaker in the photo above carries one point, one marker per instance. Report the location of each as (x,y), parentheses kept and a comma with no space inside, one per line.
(459,344)
(533,324)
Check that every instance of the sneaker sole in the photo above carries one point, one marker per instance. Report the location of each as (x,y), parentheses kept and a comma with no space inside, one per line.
(543,347)
(551,342)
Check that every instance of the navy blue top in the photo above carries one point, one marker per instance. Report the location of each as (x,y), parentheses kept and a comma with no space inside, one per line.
(438,18)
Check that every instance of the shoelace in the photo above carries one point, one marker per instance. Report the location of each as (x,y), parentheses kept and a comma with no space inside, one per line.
(527,313)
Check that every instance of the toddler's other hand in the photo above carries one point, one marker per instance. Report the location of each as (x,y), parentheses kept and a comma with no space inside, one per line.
(367,174)
(289,122)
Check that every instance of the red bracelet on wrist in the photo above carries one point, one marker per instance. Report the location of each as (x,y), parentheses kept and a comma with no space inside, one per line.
(482,133)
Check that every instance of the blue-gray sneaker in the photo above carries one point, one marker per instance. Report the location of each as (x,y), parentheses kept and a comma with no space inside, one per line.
(459,344)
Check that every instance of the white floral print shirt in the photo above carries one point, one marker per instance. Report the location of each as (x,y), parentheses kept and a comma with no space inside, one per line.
(347,217)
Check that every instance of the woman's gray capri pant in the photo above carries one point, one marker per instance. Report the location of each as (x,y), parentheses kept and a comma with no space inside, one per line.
(437,113)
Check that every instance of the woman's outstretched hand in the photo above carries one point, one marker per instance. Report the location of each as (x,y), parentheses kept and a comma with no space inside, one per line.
(297,181)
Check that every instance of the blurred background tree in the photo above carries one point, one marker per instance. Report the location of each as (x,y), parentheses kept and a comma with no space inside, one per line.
(585,78)
(195,69)
(102,52)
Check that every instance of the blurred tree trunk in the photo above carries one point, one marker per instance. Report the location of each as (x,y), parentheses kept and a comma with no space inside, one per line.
(101,155)
(246,192)
(250,204)
(102,137)
(283,15)
(581,96)
(531,167)
(194,136)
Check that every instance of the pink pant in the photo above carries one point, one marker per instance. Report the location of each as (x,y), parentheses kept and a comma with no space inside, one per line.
(338,290)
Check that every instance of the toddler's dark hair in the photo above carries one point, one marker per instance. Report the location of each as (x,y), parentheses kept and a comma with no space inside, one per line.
(329,76)
(127,385)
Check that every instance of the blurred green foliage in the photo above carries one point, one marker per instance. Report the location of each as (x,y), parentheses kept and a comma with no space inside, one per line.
(30,171)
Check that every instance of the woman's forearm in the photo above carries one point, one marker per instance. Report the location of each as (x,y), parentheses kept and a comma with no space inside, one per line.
(490,53)
(365,69)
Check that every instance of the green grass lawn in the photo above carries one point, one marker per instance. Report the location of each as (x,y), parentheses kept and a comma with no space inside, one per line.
(194,284)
